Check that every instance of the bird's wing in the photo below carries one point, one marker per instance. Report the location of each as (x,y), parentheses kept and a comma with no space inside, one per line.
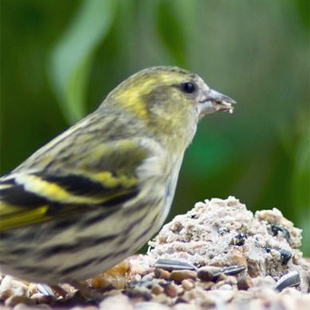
(104,176)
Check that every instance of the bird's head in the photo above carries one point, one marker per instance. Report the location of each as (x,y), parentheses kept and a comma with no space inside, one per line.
(169,101)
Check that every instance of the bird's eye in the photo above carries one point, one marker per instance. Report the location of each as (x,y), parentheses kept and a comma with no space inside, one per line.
(188,87)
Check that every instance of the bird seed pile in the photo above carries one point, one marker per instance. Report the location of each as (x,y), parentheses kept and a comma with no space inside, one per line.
(218,255)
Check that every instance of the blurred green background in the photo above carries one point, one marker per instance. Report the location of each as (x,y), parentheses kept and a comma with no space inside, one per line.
(60,59)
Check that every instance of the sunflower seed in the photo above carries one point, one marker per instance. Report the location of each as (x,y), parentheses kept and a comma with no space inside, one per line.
(232,270)
(171,264)
(288,280)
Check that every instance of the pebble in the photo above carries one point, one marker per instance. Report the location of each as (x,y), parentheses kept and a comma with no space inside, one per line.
(10,287)
(148,277)
(21,306)
(226,287)
(136,278)
(205,285)
(162,274)
(219,284)
(163,299)
(231,280)
(208,273)
(41,298)
(180,275)
(221,277)
(171,290)
(183,306)
(119,302)
(15,299)
(157,289)
(5,285)
(244,283)
(213,297)
(149,306)
(188,284)
(141,293)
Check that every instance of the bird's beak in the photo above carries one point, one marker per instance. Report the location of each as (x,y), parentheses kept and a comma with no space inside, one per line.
(214,101)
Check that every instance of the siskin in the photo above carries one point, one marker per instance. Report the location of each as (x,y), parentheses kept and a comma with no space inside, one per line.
(97,192)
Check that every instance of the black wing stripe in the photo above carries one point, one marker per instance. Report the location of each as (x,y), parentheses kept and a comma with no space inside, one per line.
(80,185)
(75,184)
(17,195)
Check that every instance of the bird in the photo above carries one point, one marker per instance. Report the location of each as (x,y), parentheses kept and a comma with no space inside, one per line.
(97,192)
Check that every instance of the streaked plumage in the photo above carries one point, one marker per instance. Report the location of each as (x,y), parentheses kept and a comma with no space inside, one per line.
(97,192)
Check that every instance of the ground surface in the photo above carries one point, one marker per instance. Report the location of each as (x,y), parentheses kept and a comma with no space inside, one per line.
(219,255)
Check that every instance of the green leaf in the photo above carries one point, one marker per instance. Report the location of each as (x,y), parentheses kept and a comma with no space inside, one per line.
(71,59)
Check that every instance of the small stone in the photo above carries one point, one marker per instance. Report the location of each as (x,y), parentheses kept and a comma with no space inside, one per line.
(183,306)
(188,284)
(162,299)
(205,285)
(213,297)
(157,289)
(15,299)
(41,298)
(149,306)
(21,306)
(162,274)
(231,280)
(119,302)
(6,287)
(219,284)
(10,287)
(208,273)
(179,275)
(148,277)
(226,287)
(140,293)
(136,278)
(171,290)
(244,283)
(222,277)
